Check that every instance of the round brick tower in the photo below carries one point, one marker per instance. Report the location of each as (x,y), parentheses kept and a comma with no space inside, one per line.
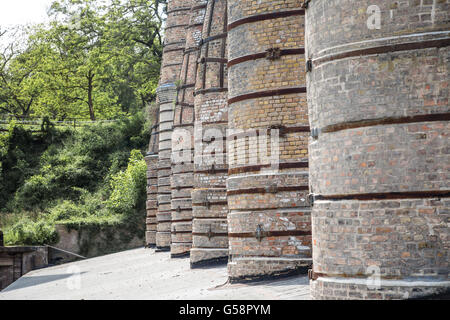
(269,217)
(152,185)
(174,43)
(379,153)
(183,137)
(209,197)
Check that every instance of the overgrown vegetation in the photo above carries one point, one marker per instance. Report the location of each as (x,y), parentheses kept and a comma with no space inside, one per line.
(93,175)
(93,60)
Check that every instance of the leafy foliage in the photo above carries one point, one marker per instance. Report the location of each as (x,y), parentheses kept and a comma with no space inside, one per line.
(128,187)
(95,59)
(96,175)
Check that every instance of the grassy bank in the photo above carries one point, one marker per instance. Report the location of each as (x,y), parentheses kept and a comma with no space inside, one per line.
(94,175)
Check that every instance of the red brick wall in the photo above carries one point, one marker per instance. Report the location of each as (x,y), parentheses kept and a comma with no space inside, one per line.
(378,98)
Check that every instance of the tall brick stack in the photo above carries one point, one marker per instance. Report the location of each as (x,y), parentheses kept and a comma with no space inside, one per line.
(377,174)
(183,136)
(378,100)
(174,44)
(269,217)
(152,186)
(209,197)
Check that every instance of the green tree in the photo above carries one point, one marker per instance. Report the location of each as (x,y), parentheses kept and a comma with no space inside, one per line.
(95,59)
(19,85)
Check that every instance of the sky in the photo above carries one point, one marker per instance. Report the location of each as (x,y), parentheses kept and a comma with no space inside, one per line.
(14,12)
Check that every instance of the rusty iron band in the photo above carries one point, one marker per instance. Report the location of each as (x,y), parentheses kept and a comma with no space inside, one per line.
(267,190)
(165,221)
(283,130)
(218,218)
(385,121)
(194,25)
(181,188)
(179,210)
(179,173)
(190,50)
(199,7)
(177,26)
(210,90)
(288,165)
(385,49)
(276,207)
(212,171)
(171,50)
(185,86)
(184,104)
(262,55)
(212,38)
(268,234)
(178,10)
(173,43)
(316,275)
(182,220)
(267,16)
(206,123)
(183,125)
(164,131)
(164,168)
(386,196)
(267,93)
(211,235)
(209,59)
(204,204)
(165,194)
(171,65)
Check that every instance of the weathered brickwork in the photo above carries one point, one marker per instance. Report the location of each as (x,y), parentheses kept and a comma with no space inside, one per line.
(151,160)
(209,197)
(269,218)
(378,106)
(17,261)
(277,157)
(183,136)
(152,200)
(174,44)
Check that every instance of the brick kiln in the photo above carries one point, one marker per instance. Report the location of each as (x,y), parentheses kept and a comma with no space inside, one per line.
(209,197)
(152,186)
(376,181)
(174,45)
(378,100)
(183,137)
(269,217)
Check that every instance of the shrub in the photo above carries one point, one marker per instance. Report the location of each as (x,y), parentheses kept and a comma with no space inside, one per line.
(128,187)
(29,232)
(84,176)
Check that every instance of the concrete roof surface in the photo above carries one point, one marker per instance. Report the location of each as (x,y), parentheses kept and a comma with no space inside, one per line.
(144,274)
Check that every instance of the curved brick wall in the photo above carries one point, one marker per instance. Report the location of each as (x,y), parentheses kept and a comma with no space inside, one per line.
(269,218)
(209,197)
(174,44)
(182,139)
(378,102)
(152,186)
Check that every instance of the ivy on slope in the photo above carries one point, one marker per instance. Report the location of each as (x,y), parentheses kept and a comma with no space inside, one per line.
(94,175)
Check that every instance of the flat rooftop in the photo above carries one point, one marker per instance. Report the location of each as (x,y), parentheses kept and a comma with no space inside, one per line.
(145,274)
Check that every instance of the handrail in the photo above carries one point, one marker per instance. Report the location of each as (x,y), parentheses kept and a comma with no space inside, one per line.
(65,251)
